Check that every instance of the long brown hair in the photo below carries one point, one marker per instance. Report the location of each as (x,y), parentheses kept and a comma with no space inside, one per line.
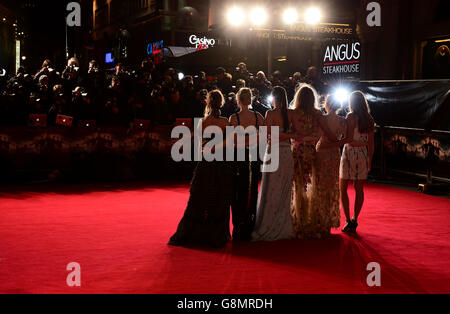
(214,102)
(280,97)
(360,107)
(306,100)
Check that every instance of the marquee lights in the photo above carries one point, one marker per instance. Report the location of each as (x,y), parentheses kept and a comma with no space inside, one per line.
(258,16)
(290,16)
(235,16)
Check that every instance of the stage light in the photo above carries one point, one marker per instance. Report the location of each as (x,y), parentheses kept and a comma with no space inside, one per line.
(180,76)
(258,16)
(341,95)
(313,16)
(24,58)
(290,16)
(235,16)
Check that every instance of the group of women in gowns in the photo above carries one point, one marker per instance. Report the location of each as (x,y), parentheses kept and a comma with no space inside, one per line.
(300,200)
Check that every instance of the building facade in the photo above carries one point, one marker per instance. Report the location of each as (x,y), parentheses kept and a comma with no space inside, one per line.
(8,29)
(411,43)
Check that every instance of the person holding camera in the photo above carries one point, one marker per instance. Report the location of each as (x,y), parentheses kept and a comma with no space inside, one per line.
(71,77)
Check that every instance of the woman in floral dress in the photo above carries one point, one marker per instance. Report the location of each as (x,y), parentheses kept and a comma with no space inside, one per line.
(325,175)
(308,121)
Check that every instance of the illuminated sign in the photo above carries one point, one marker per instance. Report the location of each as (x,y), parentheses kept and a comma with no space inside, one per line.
(201,43)
(155,48)
(342,59)
(109,58)
(17,55)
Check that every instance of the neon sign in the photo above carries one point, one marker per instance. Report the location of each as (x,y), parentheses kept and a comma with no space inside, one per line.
(108,58)
(155,48)
(201,43)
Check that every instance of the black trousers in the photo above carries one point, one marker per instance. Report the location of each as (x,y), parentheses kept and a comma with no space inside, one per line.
(247,175)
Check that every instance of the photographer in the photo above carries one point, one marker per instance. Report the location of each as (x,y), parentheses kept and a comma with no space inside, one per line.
(58,104)
(259,104)
(262,84)
(313,78)
(159,108)
(81,106)
(95,84)
(115,110)
(49,71)
(241,73)
(230,107)
(224,81)
(71,77)
(188,97)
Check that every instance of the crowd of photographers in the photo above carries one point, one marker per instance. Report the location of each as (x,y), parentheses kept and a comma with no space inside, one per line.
(125,95)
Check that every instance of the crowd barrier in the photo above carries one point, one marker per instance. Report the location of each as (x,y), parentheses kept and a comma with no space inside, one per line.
(413,151)
(103,151)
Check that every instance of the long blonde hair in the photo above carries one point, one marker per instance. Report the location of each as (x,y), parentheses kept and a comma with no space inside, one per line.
(306,100)
(244,94)
(214,102)
(360,107)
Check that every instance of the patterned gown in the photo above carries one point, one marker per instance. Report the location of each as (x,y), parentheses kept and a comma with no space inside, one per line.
(325,182)
(304,154)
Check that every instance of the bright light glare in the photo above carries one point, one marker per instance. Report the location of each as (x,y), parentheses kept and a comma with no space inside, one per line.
(269,99)
(290,16)
(180,76)
(313,16)
(258,16)
(341,95)
(235,16)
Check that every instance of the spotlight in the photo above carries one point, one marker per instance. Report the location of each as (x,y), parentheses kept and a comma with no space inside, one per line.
(290,16)
(235,16)
(258,16)
(341,95)
(313,16)
(180,76)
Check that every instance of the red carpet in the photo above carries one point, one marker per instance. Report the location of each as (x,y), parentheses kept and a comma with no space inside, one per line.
(119,239)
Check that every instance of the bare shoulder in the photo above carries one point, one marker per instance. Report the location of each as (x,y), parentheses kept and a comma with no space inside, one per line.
(351,117)
(318,113)
(291,113)
(224,121)
(233,120)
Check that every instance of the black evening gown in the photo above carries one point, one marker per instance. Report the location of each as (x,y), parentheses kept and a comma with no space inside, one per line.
(206,220)
(246,177)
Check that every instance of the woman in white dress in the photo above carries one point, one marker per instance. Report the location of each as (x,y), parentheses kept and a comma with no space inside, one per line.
(356,161)
(273,218)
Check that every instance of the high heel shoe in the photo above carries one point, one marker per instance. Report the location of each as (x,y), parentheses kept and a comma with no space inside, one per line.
(354,225)
(348,227)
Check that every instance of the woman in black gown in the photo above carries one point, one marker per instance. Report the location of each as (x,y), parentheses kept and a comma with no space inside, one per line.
(206,220)
(246,173)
